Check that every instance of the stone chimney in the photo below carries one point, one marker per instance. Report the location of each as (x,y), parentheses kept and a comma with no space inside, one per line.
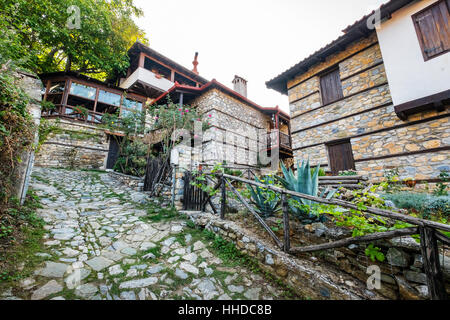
(240,85)
(195,63)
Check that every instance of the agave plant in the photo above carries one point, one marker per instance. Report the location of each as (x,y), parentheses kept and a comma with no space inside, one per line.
(265,200)
(306,182)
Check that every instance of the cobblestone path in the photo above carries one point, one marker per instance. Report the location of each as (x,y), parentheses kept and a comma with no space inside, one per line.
(102,247)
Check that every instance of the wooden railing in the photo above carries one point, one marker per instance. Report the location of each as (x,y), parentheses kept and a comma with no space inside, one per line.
(60,112)
(277,138)
(285,141)
(428,230)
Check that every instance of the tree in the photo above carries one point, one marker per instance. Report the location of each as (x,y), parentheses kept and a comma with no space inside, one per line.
(36,34)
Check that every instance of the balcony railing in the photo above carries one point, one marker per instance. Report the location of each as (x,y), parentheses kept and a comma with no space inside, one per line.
(276,138)
(69,112)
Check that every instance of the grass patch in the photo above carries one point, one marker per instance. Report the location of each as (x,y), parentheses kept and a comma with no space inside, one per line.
(19,247)
(160,214)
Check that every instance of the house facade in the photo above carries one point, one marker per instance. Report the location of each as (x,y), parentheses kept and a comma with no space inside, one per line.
(241,132)
(377,98)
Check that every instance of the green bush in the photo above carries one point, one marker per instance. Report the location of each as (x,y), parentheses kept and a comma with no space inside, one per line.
(425,204)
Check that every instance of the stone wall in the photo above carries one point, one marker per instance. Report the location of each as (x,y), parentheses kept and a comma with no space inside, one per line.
(75,145)
(33,87)
(236,129)
(332,274)
(379,139)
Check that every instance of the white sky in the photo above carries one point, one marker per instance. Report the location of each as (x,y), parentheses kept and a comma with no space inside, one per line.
(255,39)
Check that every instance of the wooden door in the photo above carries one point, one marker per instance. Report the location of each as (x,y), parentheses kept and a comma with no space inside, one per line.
(113,153)
(340,155)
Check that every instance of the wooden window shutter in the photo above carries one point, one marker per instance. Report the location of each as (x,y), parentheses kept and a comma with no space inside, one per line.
(433,29)
(331,87)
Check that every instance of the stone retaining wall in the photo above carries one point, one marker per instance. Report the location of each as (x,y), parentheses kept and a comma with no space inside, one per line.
(307,278)
(337,273)
(75,145)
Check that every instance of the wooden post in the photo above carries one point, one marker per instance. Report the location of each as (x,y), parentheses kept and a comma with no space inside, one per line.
(287,241)
(224,198)
(174,182)
(430,254)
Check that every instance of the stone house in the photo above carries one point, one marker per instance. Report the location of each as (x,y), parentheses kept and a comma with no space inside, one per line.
(82,143)
(377,97)
(241,132)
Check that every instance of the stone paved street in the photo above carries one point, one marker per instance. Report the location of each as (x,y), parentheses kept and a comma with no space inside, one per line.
(101,248)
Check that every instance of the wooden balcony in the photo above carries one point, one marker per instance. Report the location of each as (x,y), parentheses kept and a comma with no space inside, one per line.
(282,141)
(70,113)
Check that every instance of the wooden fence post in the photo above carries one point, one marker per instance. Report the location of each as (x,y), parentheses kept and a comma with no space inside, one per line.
(223,198)
(287,241)
(430,254)
(174,183)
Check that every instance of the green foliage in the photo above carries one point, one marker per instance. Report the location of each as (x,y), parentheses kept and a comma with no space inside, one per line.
(322,172)
(368,197)
(173,122)
(132,159)
(160,214)
(35,33)
(374,253)
(306,182)
(21,232)
(427,206)
(16,127)
(348,173)
(441,187)
(133,151)
(391,183)
(200,179)
(45,129)
(265,200)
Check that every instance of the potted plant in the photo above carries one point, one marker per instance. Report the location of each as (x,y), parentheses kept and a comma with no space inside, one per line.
(410,182)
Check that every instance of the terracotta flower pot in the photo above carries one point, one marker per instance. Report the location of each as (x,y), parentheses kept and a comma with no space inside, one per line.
(411,183)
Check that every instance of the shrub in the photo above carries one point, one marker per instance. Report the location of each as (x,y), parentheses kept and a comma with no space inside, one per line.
(424,204)
(16,129)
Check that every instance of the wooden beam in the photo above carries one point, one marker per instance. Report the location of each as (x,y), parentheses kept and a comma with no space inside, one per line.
(443,238)
(260,220)
(430,254)
(348,241)
(223,199)
(287,240)
(349,205)
(217,186)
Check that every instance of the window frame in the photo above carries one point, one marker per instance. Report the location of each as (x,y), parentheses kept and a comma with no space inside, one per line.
(325,73)
(419,32)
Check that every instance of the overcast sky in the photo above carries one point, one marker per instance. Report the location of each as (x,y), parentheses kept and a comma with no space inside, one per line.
(255,39)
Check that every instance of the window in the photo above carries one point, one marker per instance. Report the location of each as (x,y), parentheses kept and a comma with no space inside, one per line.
(109,98)
(331,87)
(433,29)
(83,91)
(131,104)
